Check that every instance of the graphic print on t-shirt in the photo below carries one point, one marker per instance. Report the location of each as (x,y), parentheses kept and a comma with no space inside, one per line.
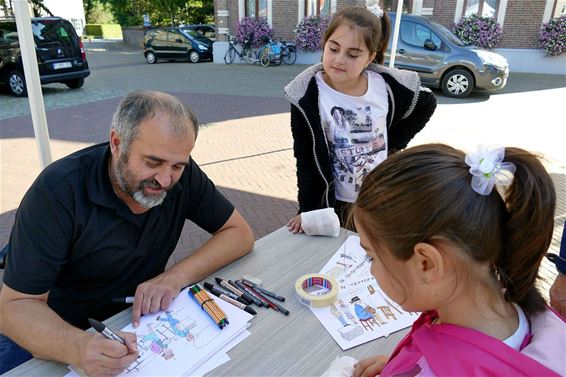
(354,146)
(356,131)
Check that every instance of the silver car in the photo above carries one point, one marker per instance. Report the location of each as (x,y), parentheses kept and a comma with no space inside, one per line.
(443,61)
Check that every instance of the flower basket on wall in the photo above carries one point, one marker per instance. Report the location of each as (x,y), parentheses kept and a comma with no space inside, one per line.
(259,27)
(478,31)
(552,36)
(309,32)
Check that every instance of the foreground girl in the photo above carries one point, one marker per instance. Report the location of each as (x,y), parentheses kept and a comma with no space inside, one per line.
(447,238)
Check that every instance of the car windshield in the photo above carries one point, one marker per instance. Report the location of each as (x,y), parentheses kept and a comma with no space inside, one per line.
(442,30)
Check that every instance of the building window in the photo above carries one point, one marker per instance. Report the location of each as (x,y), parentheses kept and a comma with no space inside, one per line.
(317,8)
(256,8)
(391,5)
(484,8)
(559,8)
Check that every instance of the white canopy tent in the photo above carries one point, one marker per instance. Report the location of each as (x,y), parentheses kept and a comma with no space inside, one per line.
(33,84)
(396,33)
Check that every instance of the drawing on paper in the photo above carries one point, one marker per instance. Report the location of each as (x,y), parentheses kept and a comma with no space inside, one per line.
(179,340)
(362,311)
(155,341)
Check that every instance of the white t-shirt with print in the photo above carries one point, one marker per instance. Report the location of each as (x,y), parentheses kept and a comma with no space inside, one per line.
(356,131)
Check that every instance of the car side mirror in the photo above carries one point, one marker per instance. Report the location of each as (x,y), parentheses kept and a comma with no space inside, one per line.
(179,40)
(430,45)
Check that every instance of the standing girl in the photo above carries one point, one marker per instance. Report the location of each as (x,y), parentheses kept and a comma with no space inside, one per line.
(349,113)
(443,240)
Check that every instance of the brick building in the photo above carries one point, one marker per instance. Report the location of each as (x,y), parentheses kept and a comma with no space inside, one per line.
(521,19)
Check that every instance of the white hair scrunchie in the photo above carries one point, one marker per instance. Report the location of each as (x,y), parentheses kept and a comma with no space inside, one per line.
(488,169)
(376,10)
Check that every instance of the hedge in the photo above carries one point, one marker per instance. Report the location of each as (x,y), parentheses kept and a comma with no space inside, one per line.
(105,31)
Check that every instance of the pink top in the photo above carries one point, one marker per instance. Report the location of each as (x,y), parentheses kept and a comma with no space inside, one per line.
(450,350)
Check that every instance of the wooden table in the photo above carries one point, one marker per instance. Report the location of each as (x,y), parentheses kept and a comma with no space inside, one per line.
(294,345)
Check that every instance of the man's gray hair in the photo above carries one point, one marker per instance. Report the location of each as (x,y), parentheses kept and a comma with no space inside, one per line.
(139,106)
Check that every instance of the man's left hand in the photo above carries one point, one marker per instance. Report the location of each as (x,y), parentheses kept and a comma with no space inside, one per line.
(154,295)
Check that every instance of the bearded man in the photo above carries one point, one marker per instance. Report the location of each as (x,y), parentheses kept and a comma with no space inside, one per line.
(102,223)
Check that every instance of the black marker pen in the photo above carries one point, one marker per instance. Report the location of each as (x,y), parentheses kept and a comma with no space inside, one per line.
(123,300)
(104,330)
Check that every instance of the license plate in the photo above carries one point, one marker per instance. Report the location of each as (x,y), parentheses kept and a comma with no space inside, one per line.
(62,65)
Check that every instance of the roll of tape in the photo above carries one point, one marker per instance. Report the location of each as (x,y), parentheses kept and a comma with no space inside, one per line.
(312,300)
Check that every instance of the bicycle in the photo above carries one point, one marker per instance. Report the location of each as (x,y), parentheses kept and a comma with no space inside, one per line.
(288,52)
(270,52)
(248,53)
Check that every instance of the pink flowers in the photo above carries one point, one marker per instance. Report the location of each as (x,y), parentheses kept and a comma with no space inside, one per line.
(309,33)
(552,36)
(256,26)
(478,31)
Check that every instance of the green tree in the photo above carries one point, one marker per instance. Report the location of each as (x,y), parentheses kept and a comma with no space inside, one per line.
(39,9)
(100,13)
(37,6)
(161,12)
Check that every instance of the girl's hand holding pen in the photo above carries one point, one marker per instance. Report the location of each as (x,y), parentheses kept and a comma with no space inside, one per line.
(102,356)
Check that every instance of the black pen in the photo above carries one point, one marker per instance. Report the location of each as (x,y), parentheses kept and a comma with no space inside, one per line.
(263,290)
(279,307)
(245,295)
(123,300)
(236,291)
(225,292)
(105,330)
(243,287)
(238,304)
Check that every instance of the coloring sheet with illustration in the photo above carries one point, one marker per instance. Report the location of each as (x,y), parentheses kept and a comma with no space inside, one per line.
(214,362)
(362,311)
(178,341)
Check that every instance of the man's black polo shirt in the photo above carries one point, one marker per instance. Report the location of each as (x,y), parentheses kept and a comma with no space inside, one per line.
(76,239)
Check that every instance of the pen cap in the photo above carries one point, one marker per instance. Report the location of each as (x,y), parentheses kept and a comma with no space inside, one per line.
(96,325)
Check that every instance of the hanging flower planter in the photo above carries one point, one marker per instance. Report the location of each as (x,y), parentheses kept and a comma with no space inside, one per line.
(309,33)
(552,36)
(478,31)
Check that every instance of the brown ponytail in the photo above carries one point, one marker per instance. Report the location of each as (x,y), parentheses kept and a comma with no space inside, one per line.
(384,40)
(425,192)
(527,229)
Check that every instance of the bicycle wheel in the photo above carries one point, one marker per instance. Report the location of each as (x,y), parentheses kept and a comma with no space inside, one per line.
(248,55)
(264,58)
(230,55)
(290,57)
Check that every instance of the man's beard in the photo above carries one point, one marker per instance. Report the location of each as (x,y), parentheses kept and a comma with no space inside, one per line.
(127,183)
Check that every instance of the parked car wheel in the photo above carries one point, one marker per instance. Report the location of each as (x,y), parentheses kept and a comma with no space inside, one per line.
(150,57)
(194,57)
(458,83)
(17,83)
(75,84)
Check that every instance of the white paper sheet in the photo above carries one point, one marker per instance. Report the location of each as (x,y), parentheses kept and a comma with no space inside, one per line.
(184,340)
(362,312)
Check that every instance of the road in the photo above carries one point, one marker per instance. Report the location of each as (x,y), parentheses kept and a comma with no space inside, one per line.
(245,145)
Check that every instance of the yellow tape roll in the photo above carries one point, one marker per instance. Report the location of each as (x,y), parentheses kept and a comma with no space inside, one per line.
(316,301)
